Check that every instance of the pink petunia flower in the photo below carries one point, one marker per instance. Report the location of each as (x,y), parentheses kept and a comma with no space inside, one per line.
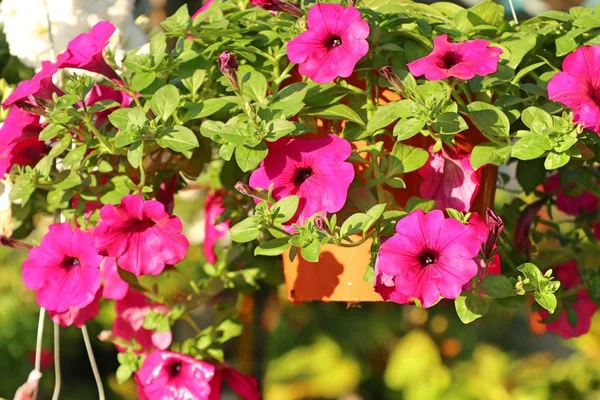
(63,269)
(76,316)
(168,375)
(36,89)
(314,169)
(213,231)
(333,44)
(85,52)
(115,288)
(430,257)
(580,304)
(129,322)
(578,88)
(141,235)
(19,143)
(103,92)
(461,60)
(449,179)
(586,201)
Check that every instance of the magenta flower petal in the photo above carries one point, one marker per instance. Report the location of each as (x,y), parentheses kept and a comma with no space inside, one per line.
(63,269)
(19,143)
(38,87)
(168,375)
(141,235)
(115,288)
(582,305)
(213,209)
(449,179)
(85,52)
(203,8)
(578,86)
(585,202)
(462,60)
(333,44)
(430,257)
(313,169)
(103,92)
(76,316)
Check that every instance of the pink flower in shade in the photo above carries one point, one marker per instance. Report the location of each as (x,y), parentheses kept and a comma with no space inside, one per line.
(129,322)
(580,304)
(585,202)
(115,288)
(523,229)
(461,60)
(19,143)
(449,179)
(63,269)
(482,230)
(39,87)
(578,87)
(166,193)
(85,52)
(203,8)
(76,316)
(168,375)
(333,44)
(141,235)
(244,385)
(103,92)
(213,231)
(314,169)
(430,257)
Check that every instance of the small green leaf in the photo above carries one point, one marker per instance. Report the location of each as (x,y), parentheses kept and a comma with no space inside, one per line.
(75,156)
(135,154)
(51,131)
(285,208)
(337,112)
(470,307)
(178,138)
(406,159)
(120,118)
(245,231)
(408,127)
(124,372)
(554,160)
(497,286)
(248,158)
(530,147)
(389,113)
(490,121)
(449,123)
(354,224)
(312,251)
(546,300)
(165,101)
(489,153)
(273,247)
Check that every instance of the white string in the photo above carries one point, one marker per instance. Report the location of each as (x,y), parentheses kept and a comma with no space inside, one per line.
(88,347)
(514,13)
(38,345)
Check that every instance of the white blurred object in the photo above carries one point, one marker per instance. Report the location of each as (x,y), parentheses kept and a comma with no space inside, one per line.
(6,224)
(26,26)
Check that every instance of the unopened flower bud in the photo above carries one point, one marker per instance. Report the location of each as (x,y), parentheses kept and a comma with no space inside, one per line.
(392,77)
(248,191)
(495,228)
(15,244)
(278,5)
(228,66)
(320,223)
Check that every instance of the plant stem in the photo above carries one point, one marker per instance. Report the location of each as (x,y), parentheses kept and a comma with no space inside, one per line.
(90,352)
(38,345)
(57,377)
(191,322)
(97,134)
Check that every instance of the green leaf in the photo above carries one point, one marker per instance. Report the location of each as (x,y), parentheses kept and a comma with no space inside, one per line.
(490,121)
(490,12)
(497,286)
(125,138)
(536,116)
(530,147)
(61,146)
(178,23)
(389,113)
(449,123)
(75,156)
(178,138)
(417,203)
(141,80)
(546,300)
(165,101)
(124,372)
(22,190)
(405,158)
(135,154)
(246,230)
(253,84)
(273,247)
(312,251)
(229,329)
(470,307)
(531,272)
(208,107)
(554,160)
(531,174)
(336,112)
(285,208)
(51,131)
(489,153)
(248,158)
(120,118)
(408,127)
(354,224)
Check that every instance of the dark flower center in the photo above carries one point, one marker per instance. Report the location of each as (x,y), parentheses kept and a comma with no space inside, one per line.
(450,59)
(333,41)
(427,257)
(69,262)
(302,175)
(596,95)
(140,225)
(175,369)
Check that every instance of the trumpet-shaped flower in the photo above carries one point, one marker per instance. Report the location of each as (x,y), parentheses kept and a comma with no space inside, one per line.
(430,257)
(19,143)
(313,169)
(333,44)
(76,316)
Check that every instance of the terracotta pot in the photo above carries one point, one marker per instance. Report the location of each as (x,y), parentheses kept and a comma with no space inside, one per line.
(338,276)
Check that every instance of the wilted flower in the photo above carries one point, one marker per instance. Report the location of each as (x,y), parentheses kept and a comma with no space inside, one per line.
(141,235)
(430,257)
(449,179)
(63,269)
(463,60)
(523,228)
(278,6)
(577,87)
(228,66)
(333,44)
(19,143)
(313,169)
